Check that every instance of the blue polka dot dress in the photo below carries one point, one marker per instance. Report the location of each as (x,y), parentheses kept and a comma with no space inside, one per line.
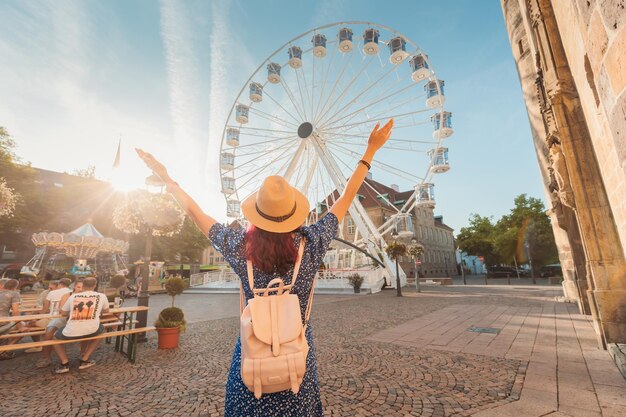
(239,400)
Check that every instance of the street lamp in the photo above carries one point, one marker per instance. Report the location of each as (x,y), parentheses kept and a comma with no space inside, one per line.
(415,258)
(154,185)
(530,261)
(394,236)
(460,252)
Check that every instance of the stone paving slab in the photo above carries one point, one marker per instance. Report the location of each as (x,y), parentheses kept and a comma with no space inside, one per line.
(566,372)
(378,355)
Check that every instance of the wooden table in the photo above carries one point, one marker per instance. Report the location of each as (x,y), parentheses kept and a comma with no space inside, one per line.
(128,320)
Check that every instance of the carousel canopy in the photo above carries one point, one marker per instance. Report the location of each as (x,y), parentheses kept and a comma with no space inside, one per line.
(83,243)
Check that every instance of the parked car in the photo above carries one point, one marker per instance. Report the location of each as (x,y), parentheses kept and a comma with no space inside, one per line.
(502,272)
(553,270)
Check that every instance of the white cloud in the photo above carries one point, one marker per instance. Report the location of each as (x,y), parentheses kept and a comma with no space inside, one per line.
(227,56)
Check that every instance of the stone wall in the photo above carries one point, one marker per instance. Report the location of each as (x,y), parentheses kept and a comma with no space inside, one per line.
(570,58)
(593,33)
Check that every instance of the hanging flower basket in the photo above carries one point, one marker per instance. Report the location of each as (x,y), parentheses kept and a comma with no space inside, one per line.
(7,199)
(141,209)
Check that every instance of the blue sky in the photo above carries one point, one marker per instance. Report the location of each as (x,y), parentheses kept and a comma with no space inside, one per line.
(75,75)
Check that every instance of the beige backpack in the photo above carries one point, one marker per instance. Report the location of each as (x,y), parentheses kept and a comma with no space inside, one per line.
(273,341)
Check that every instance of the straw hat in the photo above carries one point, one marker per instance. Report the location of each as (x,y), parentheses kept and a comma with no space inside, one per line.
(277,206)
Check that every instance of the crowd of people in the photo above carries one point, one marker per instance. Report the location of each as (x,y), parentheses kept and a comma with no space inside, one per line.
(79,304)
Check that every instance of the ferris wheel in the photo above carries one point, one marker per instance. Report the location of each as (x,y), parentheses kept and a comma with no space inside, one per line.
(307,111)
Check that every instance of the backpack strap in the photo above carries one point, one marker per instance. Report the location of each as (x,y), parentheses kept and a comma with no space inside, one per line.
(309,303)
(296,267)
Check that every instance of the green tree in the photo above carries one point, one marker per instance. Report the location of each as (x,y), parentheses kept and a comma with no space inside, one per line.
(477,238)
(526,230)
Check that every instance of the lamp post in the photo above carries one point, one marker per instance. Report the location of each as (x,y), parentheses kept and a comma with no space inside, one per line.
(415,259)
(394,236)
(530,261)
(460,252)
(154,185)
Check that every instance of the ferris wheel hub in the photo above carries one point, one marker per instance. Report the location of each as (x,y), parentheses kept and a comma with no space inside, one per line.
(305,130)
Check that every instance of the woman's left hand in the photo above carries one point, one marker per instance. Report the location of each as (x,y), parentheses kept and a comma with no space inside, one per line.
(152,163)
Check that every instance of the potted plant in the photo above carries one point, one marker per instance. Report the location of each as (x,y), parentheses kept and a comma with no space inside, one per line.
(171,320)
(356,280)
(395,251)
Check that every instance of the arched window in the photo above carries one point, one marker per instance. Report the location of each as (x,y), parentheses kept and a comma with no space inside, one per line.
(351,227)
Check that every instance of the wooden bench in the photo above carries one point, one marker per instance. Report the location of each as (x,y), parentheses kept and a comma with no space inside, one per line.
(130,353)
(127,335)
(39,331)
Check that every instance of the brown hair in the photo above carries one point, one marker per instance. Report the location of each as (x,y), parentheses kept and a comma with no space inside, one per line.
(89,283)
(11,284)
(65,282)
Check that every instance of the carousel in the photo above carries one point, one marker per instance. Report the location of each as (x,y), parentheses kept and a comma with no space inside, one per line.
(81,252)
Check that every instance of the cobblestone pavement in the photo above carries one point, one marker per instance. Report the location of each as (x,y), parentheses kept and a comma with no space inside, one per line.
(360,376)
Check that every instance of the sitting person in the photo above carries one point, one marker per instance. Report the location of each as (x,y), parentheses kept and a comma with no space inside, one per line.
(83,312)
(52,285)
(10,306)
(55,324)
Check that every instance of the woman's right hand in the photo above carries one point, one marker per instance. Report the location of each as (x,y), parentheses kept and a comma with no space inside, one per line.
(379,136)
(152,163)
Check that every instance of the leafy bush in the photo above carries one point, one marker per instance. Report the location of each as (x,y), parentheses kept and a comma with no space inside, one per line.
(174,286)
(171,317)
(117,281)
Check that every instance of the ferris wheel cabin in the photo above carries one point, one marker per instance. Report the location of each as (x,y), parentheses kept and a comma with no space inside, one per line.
(426,195)
(241,113)
(420,68)
(256,92)
(232,137)
(434,95)
(273,73)
(319,45)
(345,39)
(397,48)
(227,161)
(228,185)
(233,209)
(370,41)
(442,129)
(295,57)
(440,162)
(403,223)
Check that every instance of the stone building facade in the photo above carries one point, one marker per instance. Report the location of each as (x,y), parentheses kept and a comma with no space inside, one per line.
(571,60)
(438,259)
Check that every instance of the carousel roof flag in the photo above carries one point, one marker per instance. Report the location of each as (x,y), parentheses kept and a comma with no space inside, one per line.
(83,243)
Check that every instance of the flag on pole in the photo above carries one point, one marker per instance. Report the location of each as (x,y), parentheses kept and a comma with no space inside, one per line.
(116,163)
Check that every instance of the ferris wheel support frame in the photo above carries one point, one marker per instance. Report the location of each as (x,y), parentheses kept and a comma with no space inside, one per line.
(360,217)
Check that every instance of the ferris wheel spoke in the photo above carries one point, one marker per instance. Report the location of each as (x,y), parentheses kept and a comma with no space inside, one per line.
(261,155)
(306,90)
(387,147)
(298,121)
(272,118)
(320,118)
(331,92)
(381,196)
(289,93)
(383,90)
(302,98)
(347,135)
(256,174)
(365,90)
(332,122)
(244,129)
(330,64)
(383,112)
(386,167)
(262,152)
(386,117)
